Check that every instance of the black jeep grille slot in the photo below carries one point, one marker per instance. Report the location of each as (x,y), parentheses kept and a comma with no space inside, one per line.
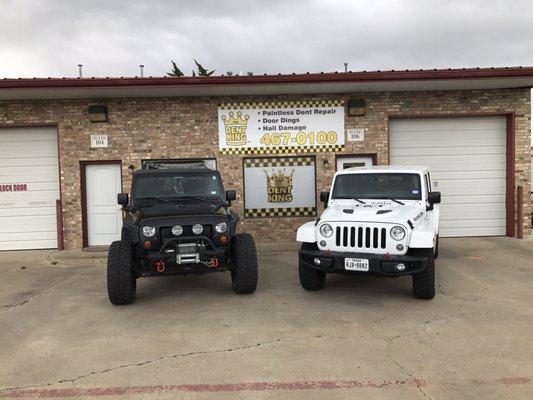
(345,237)
(361,237)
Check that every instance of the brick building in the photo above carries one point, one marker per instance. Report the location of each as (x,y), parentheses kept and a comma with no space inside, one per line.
(77,140)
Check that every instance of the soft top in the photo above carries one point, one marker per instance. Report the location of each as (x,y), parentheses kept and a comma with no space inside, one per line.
(410,169)
(177,170)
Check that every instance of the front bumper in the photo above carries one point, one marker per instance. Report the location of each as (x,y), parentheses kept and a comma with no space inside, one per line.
(168,260)
(379,264)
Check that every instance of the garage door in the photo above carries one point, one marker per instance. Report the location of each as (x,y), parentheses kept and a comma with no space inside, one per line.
(29,187)
(466,157)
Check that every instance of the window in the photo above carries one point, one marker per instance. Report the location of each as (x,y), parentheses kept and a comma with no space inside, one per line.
(377,186)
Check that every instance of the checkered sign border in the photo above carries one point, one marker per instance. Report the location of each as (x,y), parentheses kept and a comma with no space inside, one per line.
(280,212)
(282,104)
(278,162)
(283,150)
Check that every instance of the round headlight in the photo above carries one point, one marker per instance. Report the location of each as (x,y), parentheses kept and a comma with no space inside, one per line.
(197,229)
(177,230)
(326,230)
(397,233)
(148,231)
(221,227)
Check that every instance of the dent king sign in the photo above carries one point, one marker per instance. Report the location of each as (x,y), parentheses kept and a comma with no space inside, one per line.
(281,127)
(279,187)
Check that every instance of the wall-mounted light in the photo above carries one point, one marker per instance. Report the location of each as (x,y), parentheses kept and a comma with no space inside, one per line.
(356,107)
(98,113)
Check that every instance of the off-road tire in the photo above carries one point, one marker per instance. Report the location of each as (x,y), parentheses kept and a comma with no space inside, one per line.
(424,282)
(121,279)
(245,272)
(311,278)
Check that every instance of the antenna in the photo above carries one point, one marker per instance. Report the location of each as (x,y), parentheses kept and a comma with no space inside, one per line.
(345,67)
(80,70)
(142,70)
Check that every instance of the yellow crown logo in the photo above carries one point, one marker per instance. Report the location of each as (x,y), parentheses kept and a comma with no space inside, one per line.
(279,187)
(235,127)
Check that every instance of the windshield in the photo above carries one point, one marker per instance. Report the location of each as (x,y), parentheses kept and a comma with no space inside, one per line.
(377,186)
(176,185)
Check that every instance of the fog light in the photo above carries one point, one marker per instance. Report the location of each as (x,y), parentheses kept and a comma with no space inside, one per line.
(399,247)
(223,239)
(400,267)
(317,261)
(322,243)
(147,244)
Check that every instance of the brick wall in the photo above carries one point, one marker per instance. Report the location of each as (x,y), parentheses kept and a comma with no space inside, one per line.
(143,128)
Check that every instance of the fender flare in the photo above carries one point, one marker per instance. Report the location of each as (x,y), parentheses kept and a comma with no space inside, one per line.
(306,233)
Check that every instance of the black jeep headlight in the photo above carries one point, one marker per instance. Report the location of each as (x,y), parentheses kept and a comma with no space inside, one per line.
(148,231)
(221,227)
(177,230)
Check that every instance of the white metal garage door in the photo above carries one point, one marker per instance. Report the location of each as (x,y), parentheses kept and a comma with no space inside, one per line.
(29,187)
(466,156)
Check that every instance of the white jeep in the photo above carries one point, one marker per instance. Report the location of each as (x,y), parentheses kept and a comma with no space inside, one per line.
(378,221)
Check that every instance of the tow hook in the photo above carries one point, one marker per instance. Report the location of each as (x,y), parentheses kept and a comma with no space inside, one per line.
(160,266)
(213,263)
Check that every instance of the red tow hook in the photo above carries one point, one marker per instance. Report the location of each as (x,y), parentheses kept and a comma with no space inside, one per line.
(213,263)
(160,266)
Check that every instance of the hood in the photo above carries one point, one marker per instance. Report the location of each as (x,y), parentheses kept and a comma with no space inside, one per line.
(383,211)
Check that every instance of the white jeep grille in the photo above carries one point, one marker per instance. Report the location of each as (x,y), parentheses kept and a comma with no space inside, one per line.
(364,238)
(361,237)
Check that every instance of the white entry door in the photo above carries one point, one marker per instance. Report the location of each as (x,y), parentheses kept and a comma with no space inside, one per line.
(356,161)
(104,217)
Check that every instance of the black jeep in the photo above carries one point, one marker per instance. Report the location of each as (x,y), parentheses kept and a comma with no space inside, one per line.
(178,222)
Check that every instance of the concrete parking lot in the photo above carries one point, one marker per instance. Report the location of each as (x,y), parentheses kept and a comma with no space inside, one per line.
(193,338)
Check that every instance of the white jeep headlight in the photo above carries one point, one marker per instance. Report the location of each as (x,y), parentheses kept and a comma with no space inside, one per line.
(326,230)
(397,232)
(221,227)
(197,229)
(148,231)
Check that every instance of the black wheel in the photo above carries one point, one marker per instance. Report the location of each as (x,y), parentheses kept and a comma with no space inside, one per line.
(121,280)
(424,282)
(244,274)
(311,278)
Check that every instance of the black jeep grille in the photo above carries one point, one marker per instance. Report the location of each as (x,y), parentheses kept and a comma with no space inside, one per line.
(166,233)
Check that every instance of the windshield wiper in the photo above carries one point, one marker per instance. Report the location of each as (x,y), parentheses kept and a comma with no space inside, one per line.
(348,198)
(398,201)
(189,197)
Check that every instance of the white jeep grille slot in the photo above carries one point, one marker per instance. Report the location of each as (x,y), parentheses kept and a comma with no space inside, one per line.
(362,237)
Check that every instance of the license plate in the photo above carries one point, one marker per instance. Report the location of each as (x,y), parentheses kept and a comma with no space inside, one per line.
(356,264)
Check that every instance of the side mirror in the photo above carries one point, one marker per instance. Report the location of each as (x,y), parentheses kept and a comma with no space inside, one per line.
(324,198)
(123,199)
(434,197)
(231,195)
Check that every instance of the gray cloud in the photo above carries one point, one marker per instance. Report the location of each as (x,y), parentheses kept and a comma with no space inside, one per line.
(111,38)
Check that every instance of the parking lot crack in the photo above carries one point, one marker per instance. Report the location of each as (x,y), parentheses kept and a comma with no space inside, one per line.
(163,358)
(418,381)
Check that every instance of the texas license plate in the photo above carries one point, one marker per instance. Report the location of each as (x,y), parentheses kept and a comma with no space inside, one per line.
(356,264)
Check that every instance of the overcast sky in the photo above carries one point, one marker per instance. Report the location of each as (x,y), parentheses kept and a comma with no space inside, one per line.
(111,38)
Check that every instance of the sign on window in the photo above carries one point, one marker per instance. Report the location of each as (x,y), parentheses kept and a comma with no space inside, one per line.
(279,187)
